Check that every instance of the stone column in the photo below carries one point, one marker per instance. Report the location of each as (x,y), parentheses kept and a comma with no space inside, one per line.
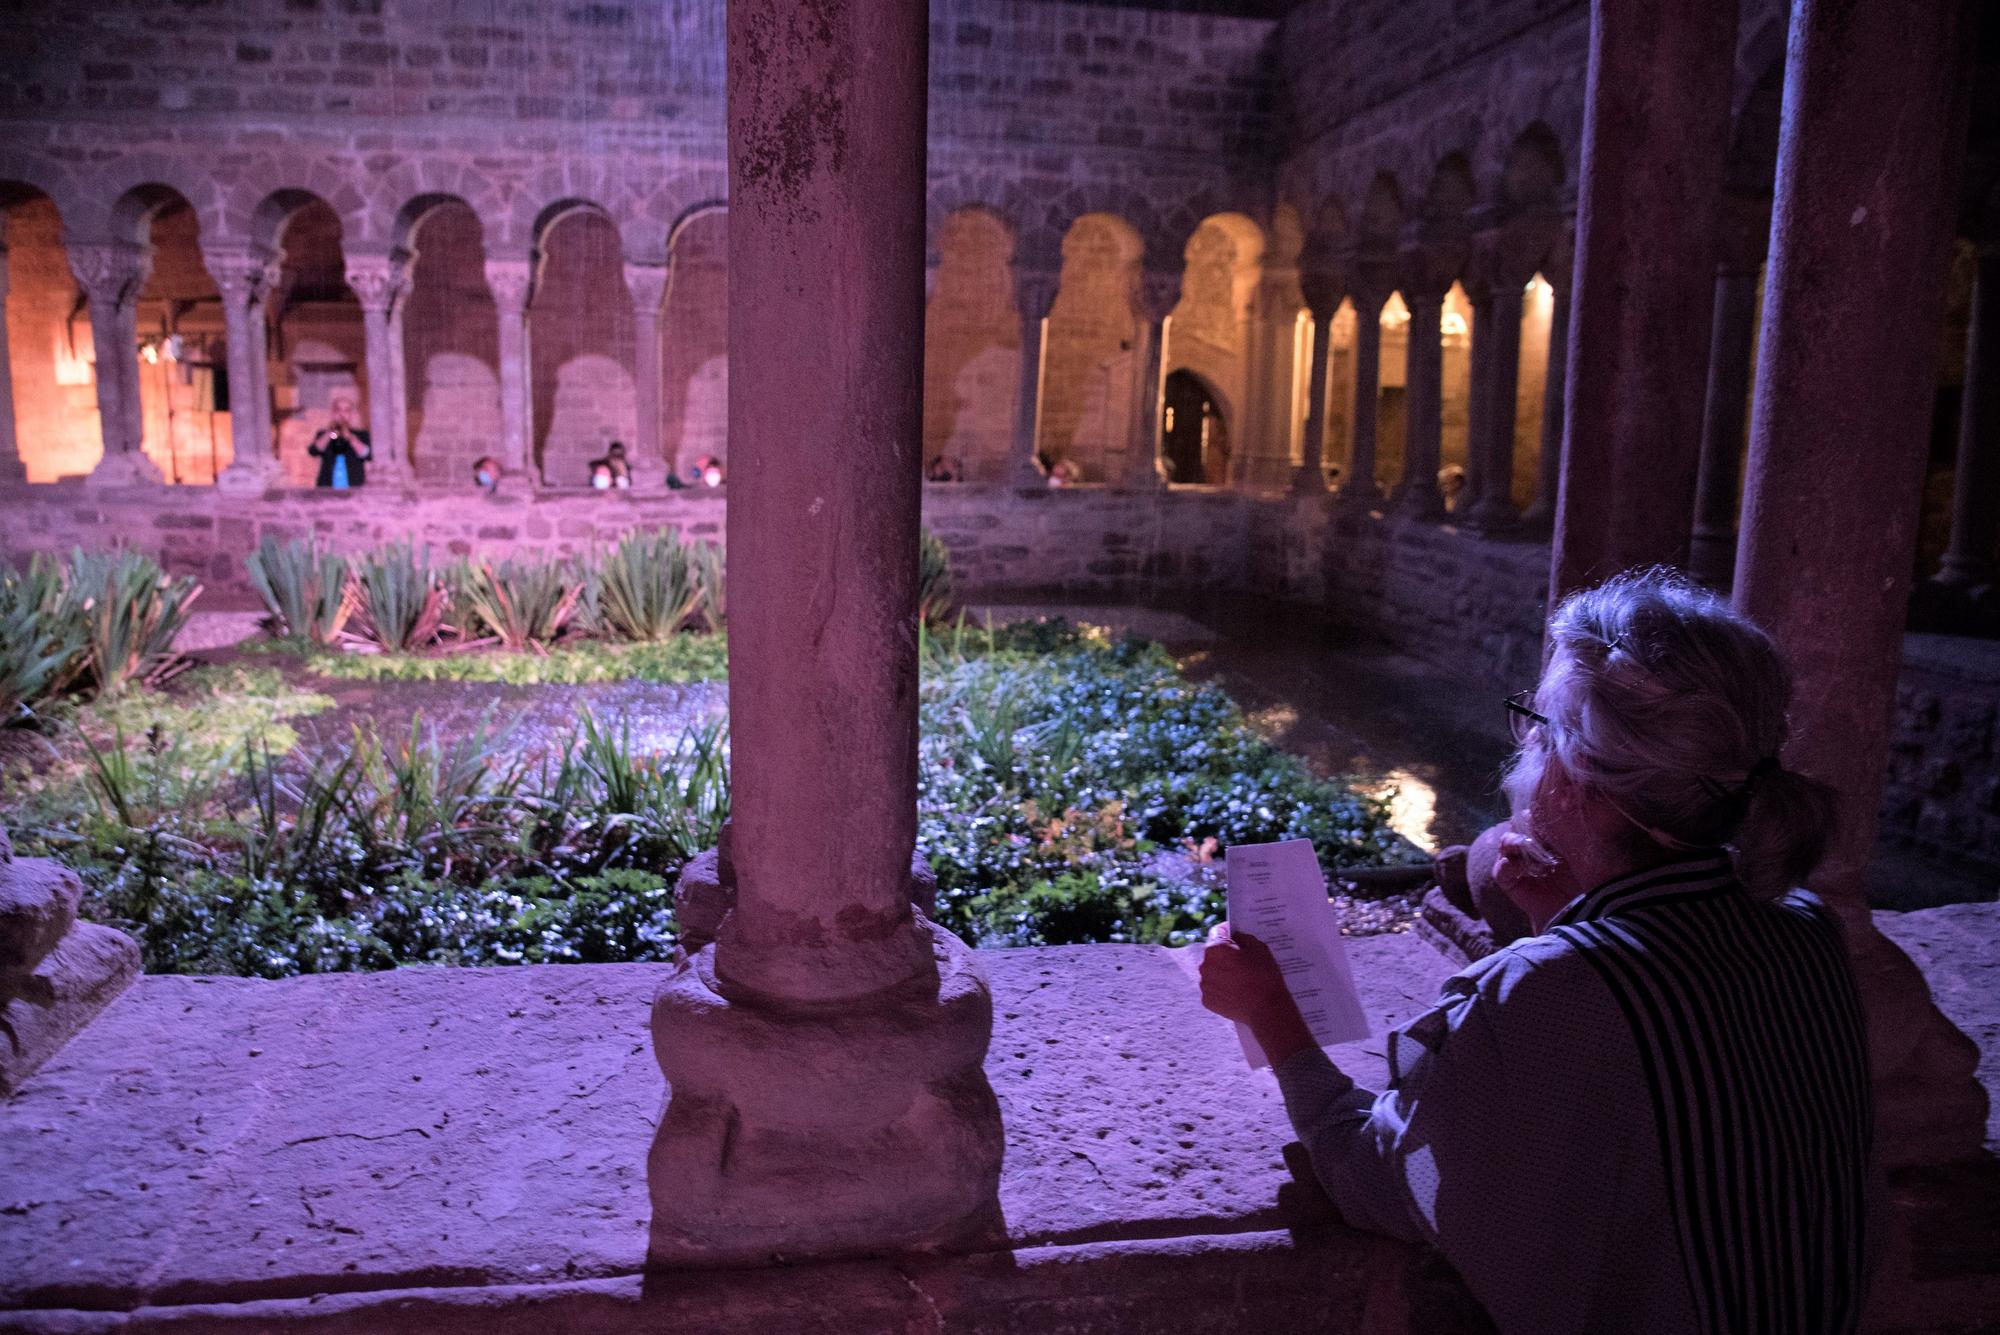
(1540,516)
(1712,547)
(1309,477)
(11,467)
(824,1052)
(1418,495)
(1158,295)
(399,370)
(376,281)
(1358,488)
(112,275)
(243,277)
(1655,129)
(1035,297)
(1876,105)
(648,285)
(1499,326)
(1975,500)
(512,282)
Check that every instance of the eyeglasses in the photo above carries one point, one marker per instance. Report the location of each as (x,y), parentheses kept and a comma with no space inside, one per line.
(1522,720)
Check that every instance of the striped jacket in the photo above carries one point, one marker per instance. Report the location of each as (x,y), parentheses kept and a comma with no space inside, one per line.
(1655,1116)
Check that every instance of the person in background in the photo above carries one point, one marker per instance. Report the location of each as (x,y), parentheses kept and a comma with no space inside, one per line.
(342,449)
(1654,1114)
(600,475)
(486,474)
(621,467)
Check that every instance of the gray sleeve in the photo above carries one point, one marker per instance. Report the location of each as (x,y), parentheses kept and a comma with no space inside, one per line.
(1335,1119)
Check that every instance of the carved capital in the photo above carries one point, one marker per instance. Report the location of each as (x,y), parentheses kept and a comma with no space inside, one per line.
(1508,254)
(112,273)
(511,283)
(375,281)
(244,276)
(1159,293)
(648,285)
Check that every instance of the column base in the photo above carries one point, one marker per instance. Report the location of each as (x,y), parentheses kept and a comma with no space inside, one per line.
(247,479)
(815,1131)
(1308,480)
(126,470)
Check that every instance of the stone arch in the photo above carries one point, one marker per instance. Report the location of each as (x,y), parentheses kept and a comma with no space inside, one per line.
(183,377)
(694,339)
(1450,196)
(1531,176)
(50,353)
(319,344)
(1195,442)
(1209,333)
(582,342)
(451,340)
(972,347)
(1090,371)
(1382,213)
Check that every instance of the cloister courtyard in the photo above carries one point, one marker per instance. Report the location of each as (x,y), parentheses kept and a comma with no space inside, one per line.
(632,635)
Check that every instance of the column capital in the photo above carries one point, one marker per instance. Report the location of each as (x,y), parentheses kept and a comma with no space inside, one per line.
(376,281)
(1158,293)
(1508,254)
(242,272)
(110,272)
(512,283)
(647,283)
(1426,269)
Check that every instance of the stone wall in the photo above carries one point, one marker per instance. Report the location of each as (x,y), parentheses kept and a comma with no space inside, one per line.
(1944,773)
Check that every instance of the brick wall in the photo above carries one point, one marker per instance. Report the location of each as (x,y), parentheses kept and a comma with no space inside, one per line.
(1944,773)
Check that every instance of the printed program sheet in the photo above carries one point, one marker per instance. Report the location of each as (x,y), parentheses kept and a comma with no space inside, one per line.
(1277,893)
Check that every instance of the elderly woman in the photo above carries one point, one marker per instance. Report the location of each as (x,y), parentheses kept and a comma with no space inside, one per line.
(1652,1114)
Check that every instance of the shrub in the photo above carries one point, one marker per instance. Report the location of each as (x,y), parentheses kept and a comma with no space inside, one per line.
(647,587)
(130,612)
(524,604)
(42,642)
(305,589)
(684,658)
(934,605)
(401,599)
(711,578)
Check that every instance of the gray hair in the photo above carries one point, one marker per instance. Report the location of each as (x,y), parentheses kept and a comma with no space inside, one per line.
(1673,706)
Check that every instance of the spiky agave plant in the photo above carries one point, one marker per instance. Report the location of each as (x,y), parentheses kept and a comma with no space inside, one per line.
(525,604)
(131,611)
(647,589)
(711,576)
(400,597)
(934,602)
(42,645)
(304,587)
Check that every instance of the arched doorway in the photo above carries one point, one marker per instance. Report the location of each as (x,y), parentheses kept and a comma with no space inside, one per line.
(1194,434)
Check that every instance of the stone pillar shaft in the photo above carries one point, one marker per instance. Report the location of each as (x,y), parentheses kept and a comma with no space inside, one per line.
(511,282)
(1975,501)
(243,278)
(1493,429)
(111,276)
(1541,512)
(1357,475)
(648,285)
(1418,494)
(1712,549)
(11,467)
(1142,451)
(376,282)
(1035,297)
(1655,128)
(1309,478)
(1876,106)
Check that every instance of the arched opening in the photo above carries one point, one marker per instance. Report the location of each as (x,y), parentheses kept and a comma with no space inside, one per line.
(1531,389)
(321,352)
(1338,446)
(581,343)
(972,349)
(184,391)
(1455,430)
(1392,405)
(50,357)
(694,339)
(1194,431)
(1089,378)
(451,346)
(1209,334)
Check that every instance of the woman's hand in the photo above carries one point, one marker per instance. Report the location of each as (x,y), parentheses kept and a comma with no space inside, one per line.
(1239,978)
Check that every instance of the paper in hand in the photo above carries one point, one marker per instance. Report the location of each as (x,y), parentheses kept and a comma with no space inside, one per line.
(1277,893)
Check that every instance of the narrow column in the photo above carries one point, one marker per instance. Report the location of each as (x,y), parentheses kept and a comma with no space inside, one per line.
(1975,501)
(111,276)
(1357,476)
(824,1053)
(1309,477)
(1712,548)
(648,285)
(1540,516)
(1035,296)
(1656,120)
(375,280)
(1418,495)
(1158,295)
(399,371)
(511,282)
(1493,434)
(242,276)
(1479,383)
(11,467)
(1876,104)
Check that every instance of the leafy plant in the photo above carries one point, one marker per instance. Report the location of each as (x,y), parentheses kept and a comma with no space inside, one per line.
(684,658)
(525,604)
(711,578)
(304,587)
(647,586)
(934,602)
(130,612)
(401,599)
(41,641)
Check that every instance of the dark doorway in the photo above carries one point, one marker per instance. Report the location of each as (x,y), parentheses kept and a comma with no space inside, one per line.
(1194,437)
